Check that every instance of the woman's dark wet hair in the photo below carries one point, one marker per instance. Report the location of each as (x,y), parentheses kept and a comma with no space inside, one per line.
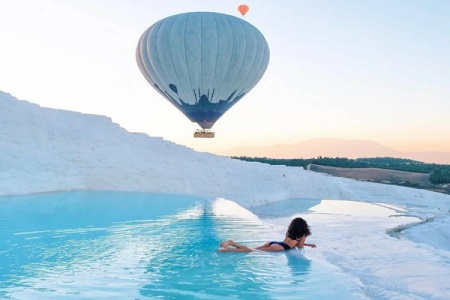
(297,229)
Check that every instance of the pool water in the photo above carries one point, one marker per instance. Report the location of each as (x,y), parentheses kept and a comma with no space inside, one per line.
(110,245)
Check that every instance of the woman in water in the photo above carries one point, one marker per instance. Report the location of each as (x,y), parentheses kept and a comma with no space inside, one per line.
(295,236)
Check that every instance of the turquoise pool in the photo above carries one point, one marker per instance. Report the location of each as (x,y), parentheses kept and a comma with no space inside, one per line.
(109,245)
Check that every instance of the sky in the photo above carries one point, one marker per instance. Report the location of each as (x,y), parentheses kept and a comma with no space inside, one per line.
(374,70)
(46,150)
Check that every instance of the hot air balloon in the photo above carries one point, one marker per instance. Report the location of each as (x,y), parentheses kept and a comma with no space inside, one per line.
(243,9)
(203,63)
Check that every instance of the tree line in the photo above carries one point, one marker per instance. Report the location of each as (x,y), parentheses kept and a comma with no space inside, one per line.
(439,174)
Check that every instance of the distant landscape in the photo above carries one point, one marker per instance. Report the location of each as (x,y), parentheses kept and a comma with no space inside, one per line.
(402,178)
(334,147)
(387,170)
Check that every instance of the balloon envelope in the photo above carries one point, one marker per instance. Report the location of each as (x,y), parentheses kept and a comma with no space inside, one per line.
(202,62)
(243,9)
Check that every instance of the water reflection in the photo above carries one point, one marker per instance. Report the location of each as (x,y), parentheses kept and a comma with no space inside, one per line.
(104,245)
(356,208)
(284,208)
(289,207)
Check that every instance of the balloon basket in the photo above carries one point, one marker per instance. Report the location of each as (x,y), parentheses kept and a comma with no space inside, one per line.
(203,134)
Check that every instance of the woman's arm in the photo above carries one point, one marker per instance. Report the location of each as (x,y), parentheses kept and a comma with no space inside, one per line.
(302,243)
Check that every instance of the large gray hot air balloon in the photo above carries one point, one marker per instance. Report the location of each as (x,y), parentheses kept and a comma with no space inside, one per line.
(203,63)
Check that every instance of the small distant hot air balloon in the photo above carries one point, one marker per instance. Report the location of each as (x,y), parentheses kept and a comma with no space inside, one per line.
(243,9)
(203,63)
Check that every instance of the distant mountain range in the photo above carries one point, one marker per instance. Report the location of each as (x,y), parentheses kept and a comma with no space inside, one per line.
(334,147)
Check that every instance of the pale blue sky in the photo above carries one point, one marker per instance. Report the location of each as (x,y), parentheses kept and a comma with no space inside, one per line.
(357,69)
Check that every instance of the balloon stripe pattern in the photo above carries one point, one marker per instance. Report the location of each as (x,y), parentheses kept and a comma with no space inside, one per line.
(202,62)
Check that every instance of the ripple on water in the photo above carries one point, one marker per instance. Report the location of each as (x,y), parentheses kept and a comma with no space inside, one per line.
(100,245)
